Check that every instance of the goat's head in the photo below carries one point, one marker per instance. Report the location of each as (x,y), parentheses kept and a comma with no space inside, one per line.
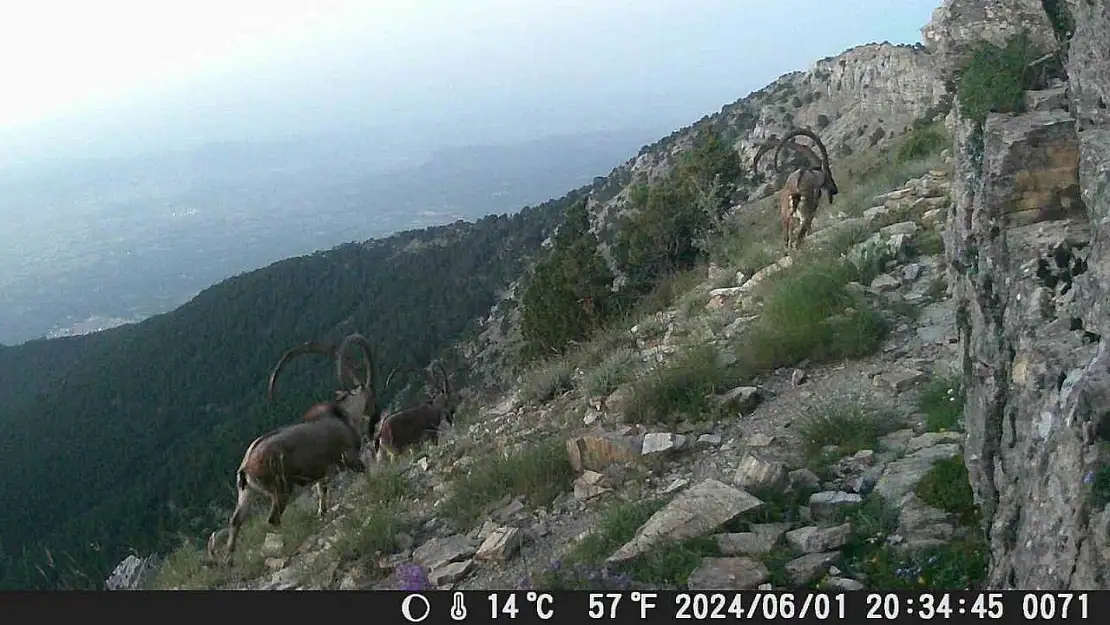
(816,162)
(356,399)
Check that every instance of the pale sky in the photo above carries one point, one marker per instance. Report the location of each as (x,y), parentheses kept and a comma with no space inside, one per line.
(116,75)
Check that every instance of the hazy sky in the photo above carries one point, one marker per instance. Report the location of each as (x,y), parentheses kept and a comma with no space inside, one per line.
(120,76)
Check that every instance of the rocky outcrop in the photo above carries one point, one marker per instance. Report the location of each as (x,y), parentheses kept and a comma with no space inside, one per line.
(957,25)
(133,573)
(1027,245)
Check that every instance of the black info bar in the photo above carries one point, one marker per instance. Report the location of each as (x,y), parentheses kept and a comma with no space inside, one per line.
(569,607)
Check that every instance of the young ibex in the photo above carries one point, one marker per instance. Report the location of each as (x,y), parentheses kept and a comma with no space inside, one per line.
(326,440)
(419,423)
(802,191)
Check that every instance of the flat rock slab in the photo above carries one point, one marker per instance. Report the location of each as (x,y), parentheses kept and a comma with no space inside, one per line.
(728,574)
(901,477)
(697,511)
(811,566)
(815,539)
(438,552)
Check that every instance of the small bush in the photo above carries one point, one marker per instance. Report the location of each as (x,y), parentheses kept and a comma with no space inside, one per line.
(371,532)
(921,143)
(378,516)
(682,387)
(809,314)
(942,401)
(614,370)
(849,423)
(583,567)
(539,474)
(996,78)
(927,243)
(186,568)
(779,506)
(961,564)
(547,381)
(946,486)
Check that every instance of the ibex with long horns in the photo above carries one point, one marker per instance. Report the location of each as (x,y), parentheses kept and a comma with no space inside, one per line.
(801,193)
(328,438)
(419,423)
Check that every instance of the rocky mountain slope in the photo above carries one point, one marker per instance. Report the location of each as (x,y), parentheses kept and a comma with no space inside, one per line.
(877,410)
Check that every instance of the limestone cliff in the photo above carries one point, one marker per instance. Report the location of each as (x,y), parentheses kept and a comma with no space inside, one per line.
(1027,244)
(858,100)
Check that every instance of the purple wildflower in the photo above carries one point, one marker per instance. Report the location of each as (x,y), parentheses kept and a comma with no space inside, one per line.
(413,577)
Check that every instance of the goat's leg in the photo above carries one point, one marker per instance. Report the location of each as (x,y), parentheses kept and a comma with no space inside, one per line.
(236,521)
(806,219)
(785,218)
(322,496)
(278,500)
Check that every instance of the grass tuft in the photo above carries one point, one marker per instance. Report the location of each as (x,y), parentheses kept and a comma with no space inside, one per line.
(539,474)
(942,401)
(849,423)
(682,388)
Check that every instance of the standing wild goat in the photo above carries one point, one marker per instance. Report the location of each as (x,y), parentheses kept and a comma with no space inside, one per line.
(802,191)
(326,440)
(321,410)
(419,423)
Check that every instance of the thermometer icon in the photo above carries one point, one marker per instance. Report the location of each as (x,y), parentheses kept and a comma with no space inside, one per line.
(458,610)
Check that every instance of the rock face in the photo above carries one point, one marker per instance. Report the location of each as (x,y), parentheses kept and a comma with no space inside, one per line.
(133,573)
(1027,241)
(956,25)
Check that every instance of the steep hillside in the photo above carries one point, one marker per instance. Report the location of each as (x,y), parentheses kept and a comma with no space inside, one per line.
(915,399)
(796,426)
(176,398)
(120,439)
(860,102)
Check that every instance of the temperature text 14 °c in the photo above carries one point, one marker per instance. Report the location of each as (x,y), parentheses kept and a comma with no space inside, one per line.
(507,604)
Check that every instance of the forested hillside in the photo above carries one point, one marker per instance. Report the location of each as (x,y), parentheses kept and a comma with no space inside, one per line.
(123,439)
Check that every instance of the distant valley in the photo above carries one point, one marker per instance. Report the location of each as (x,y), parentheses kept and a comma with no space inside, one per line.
(92,244)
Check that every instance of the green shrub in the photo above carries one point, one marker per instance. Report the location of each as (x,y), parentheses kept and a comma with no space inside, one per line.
(995,78)
(809,314)
(942,401)
(614,370)
(947,486)
(958,565)
(849,423)
(539,474)
(547,381)
(682,387)
(922,142)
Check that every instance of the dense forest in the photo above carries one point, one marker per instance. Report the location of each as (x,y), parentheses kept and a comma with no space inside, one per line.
(128,438)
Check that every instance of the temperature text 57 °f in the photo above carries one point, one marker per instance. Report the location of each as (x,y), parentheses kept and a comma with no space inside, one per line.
(604,605)
(541,602)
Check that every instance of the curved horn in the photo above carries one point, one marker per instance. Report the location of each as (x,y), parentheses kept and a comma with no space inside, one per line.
(444,385)
(314,347)
(804,150)
(763,148)
(395,371)
(368,357)
(822,163)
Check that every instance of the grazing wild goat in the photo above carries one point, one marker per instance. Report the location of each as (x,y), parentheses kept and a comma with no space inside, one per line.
(419,423)
(801,192)
(326,440)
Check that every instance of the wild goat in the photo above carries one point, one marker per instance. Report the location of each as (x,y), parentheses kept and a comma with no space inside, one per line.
(419,423)
(326,440)
(801,193)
